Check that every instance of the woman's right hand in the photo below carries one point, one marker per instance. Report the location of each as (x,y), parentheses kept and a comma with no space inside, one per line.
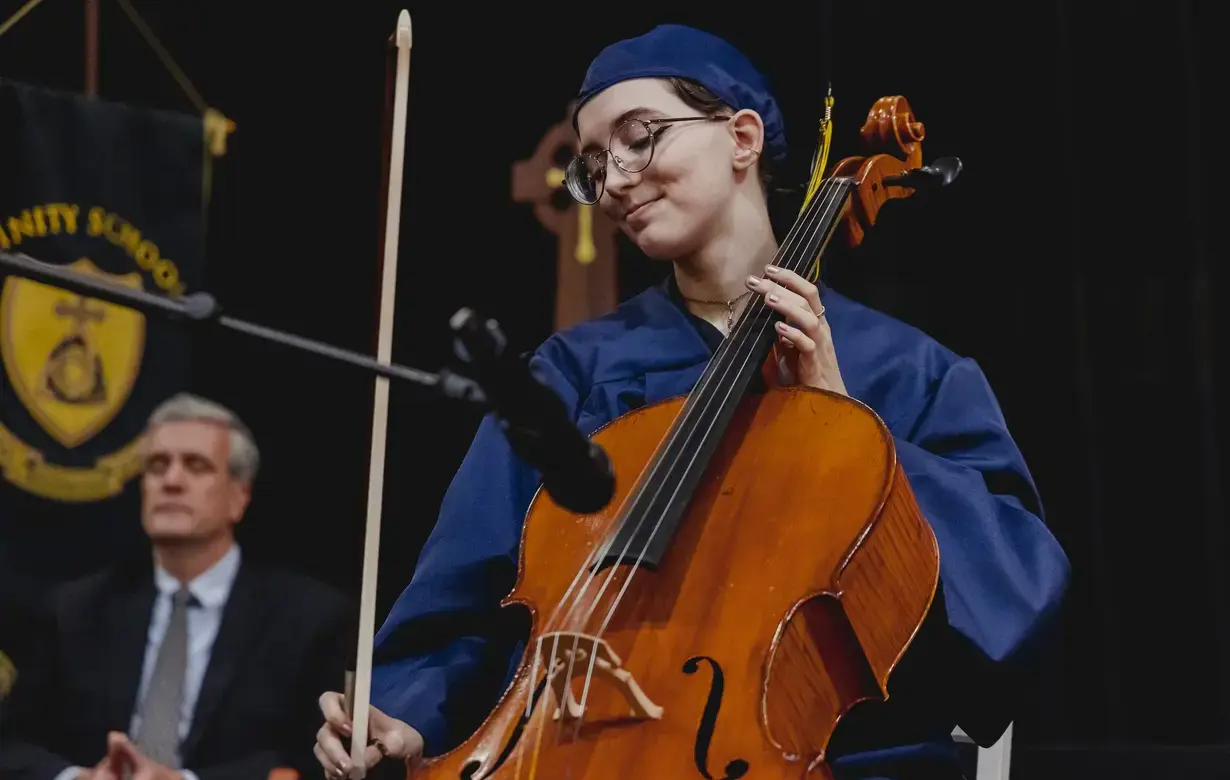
(387,737)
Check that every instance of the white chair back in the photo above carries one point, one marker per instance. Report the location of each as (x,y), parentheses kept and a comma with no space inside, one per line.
(993,762)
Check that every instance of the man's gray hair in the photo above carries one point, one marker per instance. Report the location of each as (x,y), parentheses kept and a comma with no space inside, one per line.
(244,456)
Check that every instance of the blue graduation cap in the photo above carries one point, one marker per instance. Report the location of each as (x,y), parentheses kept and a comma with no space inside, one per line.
(685,52)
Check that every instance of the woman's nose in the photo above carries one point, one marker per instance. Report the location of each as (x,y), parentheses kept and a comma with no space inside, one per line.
(617,179)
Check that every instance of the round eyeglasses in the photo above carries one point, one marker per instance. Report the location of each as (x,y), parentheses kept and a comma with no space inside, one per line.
(631,147)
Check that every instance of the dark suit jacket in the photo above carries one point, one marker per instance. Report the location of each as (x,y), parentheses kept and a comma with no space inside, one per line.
(281,643)
(21,614)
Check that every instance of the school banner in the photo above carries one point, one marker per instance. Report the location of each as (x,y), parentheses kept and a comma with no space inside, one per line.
(113,191)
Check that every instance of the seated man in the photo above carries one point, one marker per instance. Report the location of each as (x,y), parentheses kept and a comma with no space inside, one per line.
(195,665)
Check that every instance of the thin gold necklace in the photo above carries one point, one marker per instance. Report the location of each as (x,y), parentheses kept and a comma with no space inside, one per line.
(730,307)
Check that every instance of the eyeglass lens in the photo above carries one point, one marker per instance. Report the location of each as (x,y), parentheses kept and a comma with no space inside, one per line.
(631,148)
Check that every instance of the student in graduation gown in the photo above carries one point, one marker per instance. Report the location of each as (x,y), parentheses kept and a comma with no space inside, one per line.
(691,192)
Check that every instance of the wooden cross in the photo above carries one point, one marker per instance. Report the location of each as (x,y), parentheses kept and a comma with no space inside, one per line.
(80,312)
(586,285)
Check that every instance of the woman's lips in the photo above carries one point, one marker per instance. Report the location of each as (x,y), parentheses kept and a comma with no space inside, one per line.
(638,210)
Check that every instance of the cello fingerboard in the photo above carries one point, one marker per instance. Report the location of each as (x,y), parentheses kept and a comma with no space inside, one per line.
(659,501)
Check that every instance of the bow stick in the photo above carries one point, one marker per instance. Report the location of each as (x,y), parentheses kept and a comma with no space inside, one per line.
(358,697)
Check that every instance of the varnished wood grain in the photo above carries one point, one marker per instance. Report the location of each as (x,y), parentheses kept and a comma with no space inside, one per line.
(804,498)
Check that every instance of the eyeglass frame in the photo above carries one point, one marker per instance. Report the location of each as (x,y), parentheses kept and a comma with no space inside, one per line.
(653,146)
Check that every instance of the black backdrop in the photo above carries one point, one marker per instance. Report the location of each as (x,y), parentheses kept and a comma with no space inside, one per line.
(1074,260)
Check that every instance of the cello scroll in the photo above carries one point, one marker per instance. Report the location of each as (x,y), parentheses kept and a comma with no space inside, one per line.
(893,138)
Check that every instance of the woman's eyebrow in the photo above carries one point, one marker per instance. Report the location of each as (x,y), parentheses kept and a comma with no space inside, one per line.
(639,112)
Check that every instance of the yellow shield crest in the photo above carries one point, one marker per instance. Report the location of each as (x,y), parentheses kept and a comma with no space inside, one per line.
(72,360)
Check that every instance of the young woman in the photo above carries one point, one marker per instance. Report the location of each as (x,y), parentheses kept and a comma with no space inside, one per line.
(678,131)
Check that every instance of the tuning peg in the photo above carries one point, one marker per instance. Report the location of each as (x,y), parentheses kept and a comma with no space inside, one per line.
(938,174)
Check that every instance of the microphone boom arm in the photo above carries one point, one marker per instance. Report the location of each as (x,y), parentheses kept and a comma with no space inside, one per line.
(202,308)
(576,471)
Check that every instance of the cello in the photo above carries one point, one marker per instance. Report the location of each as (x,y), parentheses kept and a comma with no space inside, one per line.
(761,569)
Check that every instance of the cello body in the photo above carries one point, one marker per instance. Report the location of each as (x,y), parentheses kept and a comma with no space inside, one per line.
(798,576)
(760,570)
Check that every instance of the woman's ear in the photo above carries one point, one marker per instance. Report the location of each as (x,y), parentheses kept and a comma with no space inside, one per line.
(747,128)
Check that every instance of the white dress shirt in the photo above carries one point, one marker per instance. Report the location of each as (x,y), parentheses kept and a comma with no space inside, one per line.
(211,590)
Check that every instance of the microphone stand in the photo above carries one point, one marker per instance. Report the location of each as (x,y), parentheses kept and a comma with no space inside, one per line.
(202,308)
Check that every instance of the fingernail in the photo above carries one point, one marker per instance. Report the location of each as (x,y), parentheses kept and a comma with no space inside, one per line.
(771,269)
(753,280)
(772,299)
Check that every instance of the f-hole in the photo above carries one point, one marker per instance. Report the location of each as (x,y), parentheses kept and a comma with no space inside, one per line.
(708,722)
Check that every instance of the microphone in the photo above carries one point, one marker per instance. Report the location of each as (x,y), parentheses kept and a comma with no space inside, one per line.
(576,472)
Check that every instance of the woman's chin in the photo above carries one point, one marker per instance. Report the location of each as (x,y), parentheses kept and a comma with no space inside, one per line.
(656,243)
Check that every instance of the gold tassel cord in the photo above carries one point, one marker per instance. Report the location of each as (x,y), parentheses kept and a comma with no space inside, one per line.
(217,126)
(820,161)
(12,21)
(168,62)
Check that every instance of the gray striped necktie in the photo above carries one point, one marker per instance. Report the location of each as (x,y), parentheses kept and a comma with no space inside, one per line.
(160,713)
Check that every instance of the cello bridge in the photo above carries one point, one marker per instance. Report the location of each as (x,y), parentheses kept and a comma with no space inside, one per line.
(572,653)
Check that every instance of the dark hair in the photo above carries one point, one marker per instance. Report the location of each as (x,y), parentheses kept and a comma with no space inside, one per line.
(700,98)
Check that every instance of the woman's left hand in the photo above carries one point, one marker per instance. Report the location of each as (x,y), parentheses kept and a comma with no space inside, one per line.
(804,341)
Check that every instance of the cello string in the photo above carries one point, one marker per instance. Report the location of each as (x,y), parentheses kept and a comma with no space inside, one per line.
(755,330)
(747,336)
(590,560)
(722,367)
(536,720)
(541,716)
(835,194)
(802,226)
(553,618)
(531,683)
(805,225)
(595,556)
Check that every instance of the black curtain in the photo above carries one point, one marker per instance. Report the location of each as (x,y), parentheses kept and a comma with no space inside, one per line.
(1138,497)
(1076,261)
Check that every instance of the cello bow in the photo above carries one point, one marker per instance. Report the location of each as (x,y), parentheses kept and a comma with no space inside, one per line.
(358,688)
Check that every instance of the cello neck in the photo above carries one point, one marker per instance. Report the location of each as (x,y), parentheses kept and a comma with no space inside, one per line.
(657,504)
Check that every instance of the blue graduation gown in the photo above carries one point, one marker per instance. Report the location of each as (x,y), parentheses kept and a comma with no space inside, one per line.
(441,660)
